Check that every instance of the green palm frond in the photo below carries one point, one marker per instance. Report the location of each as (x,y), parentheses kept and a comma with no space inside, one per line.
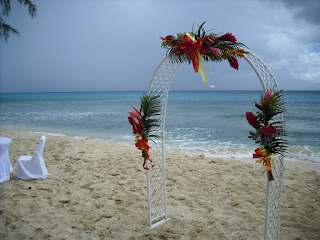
(150,109)
(266,112)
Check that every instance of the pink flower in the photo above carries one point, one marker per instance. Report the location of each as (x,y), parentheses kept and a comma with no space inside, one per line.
(134,114)
(269,130)
(268,96)
(216,51)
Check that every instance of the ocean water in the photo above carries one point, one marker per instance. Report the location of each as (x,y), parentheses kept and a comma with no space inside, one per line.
(208,122)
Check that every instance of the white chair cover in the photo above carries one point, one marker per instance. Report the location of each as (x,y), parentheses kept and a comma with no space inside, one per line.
(5,165)
(32,167)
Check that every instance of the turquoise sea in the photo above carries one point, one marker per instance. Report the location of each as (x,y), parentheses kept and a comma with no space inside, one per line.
(209,122)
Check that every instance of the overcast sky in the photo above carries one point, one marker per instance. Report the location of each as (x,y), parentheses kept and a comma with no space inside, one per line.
(114,45)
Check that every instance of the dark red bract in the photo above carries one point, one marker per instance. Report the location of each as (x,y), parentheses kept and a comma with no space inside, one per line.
(233,62)
(252,120)
(228,37)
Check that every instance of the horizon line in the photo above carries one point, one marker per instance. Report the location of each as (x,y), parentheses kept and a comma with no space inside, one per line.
(210,90)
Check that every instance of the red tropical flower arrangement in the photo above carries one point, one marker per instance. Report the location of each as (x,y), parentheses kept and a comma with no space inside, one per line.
(269,134)
(144,122)
(195,47)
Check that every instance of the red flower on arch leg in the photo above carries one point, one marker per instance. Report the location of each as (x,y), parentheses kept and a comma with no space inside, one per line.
(252,120)
(131,121)
(136,128)
(269,130)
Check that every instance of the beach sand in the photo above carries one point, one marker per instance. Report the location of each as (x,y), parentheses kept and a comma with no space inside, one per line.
(97,190)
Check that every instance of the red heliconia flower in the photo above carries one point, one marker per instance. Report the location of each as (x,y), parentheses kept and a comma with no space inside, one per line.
(216,51)
(269,130)
(268,96)
(252,120)
(209,40)
(233,63)
(136,128)
(203,50)
(228,37)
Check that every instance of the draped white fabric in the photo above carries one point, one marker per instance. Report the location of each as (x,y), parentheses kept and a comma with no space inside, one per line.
(5,165)
(32,167)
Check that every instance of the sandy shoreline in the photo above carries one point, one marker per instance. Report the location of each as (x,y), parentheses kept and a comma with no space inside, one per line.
(97,190)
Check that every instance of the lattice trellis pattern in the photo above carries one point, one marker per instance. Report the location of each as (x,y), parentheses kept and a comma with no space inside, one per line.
(156,177)
(265,76)
(274,188)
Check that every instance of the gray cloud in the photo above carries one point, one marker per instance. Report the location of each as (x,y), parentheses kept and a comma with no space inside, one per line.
(305,9)
(114,45)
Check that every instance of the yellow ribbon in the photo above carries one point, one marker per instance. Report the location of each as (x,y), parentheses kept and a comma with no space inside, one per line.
(201,69)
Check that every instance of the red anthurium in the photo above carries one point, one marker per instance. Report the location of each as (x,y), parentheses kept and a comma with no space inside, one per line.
(136,128)
(177,48)
(252,120)
(269,130)
(203,50)
(228,37)
(209,40)
(233,62)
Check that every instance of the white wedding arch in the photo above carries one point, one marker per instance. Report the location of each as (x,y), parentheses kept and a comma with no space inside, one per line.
(156,176)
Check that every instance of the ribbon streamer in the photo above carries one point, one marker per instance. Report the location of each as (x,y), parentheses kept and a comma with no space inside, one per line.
(196,57)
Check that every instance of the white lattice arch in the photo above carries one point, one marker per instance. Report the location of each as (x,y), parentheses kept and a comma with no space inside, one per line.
(156,177)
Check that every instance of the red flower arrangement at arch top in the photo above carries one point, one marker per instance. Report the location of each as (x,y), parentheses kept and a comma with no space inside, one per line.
(143,123)
(269,134)
(199,46)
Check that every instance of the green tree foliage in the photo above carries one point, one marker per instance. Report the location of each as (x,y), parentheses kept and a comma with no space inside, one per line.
(5,29)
